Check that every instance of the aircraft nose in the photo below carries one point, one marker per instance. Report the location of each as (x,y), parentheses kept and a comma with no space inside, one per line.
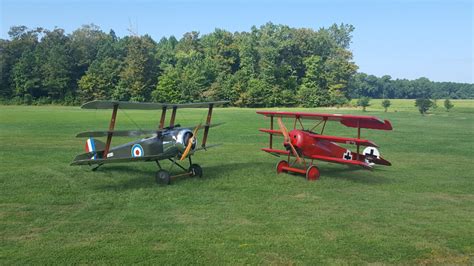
(297,138)
(294,137)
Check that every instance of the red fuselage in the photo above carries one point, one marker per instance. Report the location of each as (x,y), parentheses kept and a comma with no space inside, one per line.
(307,145)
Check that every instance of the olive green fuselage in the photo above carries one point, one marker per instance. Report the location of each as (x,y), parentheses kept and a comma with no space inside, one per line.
(169,144)
(165,144)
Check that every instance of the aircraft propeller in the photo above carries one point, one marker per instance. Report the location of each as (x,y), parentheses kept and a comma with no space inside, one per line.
(190,143)
(284,131)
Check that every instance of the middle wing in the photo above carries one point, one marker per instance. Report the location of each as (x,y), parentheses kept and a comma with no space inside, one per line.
(345,140)
(134,133)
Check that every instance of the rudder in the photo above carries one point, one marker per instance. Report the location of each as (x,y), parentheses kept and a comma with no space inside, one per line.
(94,146)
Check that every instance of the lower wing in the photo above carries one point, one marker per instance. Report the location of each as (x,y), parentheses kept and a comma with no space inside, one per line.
(324,158)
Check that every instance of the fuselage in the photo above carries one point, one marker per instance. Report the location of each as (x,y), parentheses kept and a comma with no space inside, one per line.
(307,145)
(169,143)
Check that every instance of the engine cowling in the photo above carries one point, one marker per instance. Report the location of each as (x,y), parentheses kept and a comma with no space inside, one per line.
(183,137)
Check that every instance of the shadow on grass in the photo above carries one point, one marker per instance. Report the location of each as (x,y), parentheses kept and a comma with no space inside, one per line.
(143,178)
(357,175)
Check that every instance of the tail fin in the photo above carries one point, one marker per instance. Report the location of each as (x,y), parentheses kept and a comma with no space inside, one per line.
(94,146)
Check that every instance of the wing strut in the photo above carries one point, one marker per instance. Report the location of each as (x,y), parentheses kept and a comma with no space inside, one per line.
(206,128)
(173,116)
(324,125)
(111,128)
(271,135)
(163,116)
(358,136)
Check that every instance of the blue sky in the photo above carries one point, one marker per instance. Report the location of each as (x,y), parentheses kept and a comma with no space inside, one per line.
(401,38)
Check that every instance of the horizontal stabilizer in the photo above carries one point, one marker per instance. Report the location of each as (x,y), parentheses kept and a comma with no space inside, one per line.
(84,156)
(381,161)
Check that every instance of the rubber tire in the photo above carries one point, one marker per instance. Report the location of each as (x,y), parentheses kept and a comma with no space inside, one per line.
(279,166)
(312,173)
(195,170)
(163,177)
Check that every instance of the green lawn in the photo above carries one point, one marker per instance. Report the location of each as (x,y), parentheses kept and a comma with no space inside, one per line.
(420,210)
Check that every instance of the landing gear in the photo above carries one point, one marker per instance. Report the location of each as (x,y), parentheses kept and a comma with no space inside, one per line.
(280,166)
(195,170)
(163,177)
(312,173)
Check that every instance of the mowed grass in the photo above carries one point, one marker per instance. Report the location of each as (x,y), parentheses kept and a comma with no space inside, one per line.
(420,210)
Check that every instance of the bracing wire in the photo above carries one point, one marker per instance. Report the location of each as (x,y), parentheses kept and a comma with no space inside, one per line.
(133,121)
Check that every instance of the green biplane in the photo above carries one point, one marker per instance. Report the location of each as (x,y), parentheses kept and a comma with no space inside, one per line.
(173,143)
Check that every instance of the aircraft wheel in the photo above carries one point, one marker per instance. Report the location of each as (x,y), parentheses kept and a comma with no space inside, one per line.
(163,177)
(195,170)
(280,166)
(312,173)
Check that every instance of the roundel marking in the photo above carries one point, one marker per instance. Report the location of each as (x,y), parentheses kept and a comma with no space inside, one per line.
(137,150)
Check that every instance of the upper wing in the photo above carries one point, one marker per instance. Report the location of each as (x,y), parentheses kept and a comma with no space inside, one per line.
(145,106)
(370,122)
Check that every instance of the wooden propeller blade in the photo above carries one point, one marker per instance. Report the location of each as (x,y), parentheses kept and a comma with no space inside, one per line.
(286,135)
(190,143)
(283,129)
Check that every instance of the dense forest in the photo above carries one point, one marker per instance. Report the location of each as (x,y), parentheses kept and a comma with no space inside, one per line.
(272,65)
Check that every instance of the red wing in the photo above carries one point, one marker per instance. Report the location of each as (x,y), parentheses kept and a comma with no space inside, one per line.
(274,151)
(374,123)
(323,158)
(271,131)
(341,161)
(370,122)
(353,141)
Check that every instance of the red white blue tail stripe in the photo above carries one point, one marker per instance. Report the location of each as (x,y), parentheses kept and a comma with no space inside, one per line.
(90,147)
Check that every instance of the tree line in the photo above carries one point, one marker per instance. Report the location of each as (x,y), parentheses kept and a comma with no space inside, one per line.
(270,65)
(363,85)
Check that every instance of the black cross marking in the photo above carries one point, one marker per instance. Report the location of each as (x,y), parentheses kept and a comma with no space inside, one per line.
(348,155)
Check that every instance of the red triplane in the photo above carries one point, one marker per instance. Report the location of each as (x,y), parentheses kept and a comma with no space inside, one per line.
(305,143)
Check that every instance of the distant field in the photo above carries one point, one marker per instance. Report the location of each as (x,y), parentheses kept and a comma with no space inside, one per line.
(409,105)
(420,210)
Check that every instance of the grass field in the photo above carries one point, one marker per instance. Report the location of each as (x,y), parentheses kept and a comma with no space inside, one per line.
(420,210)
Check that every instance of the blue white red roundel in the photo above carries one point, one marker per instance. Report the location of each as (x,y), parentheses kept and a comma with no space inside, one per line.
(137,150)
